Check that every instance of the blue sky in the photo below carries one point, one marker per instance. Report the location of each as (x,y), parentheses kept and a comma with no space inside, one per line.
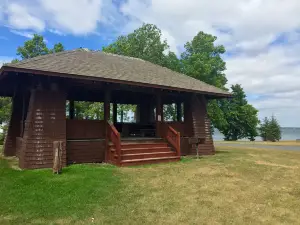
(261,37)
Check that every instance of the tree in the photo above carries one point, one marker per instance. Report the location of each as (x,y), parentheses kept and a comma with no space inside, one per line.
(36,47)
(89,110)
(241,117)
(274,131)
(5,110)
(202,60)
(263,129)
(5,105)
(145,43)
(15,61)
(270,129)
(57,48)
(32,48)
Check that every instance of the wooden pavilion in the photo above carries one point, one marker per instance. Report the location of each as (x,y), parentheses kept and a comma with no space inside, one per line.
(41,86)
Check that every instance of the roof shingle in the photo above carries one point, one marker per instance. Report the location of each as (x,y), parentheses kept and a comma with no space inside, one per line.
(81,62)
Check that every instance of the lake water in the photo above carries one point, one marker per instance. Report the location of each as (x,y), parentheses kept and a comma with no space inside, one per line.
(287,133)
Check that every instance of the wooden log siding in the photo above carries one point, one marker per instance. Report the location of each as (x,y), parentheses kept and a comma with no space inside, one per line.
(85,129)
(184,128)
(85,151)
(86,141)
(45,123)
(201,126)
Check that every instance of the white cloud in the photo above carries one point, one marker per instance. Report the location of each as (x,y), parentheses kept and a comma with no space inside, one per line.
(54,31)
(19,17)
(22,33)
(262,34)
(78,17)
(264,66)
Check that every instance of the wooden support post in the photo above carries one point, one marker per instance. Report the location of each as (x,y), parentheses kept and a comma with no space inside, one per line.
(71,109)
(57,156)
(115,113)
(178,107)
(137,113)
(106,120)
(122,115)
(107,106)
(159,115)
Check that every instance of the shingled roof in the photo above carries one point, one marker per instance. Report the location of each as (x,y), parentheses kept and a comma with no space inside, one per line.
(114,68)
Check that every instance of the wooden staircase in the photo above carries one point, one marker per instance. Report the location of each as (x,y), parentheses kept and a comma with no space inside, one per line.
(131,152)
(138,152)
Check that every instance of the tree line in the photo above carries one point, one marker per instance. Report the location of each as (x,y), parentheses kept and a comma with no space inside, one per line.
(201,59)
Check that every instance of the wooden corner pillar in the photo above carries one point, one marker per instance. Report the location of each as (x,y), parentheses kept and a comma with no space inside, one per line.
(201,125)
(159,115)
(45,124)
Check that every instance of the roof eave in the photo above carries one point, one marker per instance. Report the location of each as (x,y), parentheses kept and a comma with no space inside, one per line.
(6,68)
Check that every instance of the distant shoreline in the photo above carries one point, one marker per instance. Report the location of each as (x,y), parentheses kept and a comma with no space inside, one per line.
(279,143)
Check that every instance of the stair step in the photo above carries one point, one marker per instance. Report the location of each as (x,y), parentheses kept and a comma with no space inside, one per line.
(145,145)
(143,150)
(142,140)
(148,155)
(131,162)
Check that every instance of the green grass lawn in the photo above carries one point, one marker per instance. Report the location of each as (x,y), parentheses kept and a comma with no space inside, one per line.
(233,187)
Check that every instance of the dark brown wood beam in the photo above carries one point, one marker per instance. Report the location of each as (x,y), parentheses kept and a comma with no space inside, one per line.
(115,112)
(159,115)
(71,109)
(107,105)
(178,111)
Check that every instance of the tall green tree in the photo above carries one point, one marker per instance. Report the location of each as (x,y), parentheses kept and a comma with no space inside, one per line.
(202,60)
(263,129)
(241,117)
(145,43)
(32,48)
(36,47)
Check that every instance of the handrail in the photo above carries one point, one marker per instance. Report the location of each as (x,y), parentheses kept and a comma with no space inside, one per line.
(114,136)
(173,137)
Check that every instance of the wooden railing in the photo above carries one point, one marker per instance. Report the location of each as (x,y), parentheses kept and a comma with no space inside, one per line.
(113,136)
(173,137)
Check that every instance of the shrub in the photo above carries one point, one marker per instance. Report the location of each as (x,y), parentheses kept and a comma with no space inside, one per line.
(270,129)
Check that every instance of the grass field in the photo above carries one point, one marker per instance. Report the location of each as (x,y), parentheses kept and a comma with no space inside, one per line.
(231,187)
(278,143)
